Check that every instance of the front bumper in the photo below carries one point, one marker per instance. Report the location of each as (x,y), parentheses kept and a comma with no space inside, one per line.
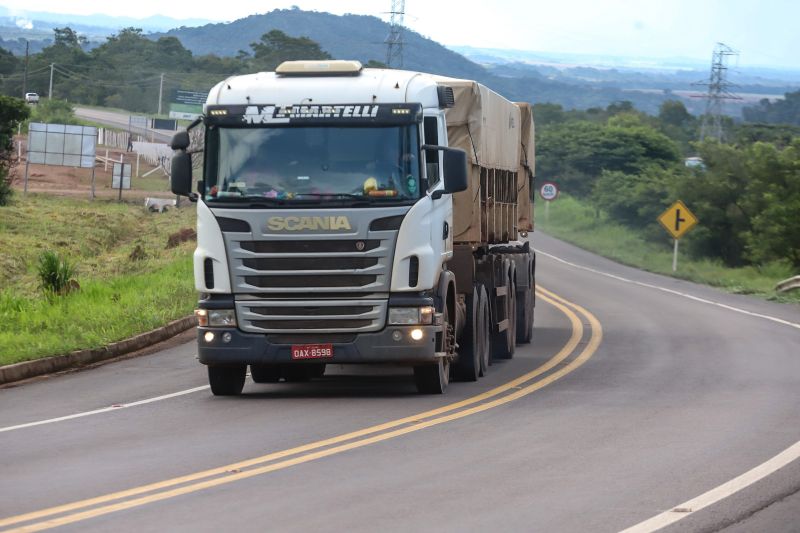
(378,347)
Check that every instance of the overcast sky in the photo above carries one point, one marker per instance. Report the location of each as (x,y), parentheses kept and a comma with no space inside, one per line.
(765,32)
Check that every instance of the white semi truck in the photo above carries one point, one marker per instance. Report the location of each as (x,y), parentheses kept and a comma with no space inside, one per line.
(349,215)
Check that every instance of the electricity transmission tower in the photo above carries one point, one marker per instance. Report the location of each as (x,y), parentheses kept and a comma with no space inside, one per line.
(718,92)
(394,41)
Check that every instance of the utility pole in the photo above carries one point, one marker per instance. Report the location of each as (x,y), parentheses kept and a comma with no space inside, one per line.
(394,41)
(50,91)
(160,93)
(25,76)
(718,92)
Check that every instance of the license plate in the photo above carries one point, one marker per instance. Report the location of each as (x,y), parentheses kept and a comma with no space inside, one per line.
(312,351)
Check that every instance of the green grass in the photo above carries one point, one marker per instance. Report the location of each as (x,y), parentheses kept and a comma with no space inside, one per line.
(582,225)
(129,282)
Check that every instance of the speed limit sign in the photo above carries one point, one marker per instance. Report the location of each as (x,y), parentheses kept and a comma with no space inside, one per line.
(548,191)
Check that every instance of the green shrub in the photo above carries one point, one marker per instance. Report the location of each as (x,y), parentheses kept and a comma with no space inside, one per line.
(56,274)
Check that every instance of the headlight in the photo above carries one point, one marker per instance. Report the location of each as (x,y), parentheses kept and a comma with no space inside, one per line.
(399,316)
(216,317)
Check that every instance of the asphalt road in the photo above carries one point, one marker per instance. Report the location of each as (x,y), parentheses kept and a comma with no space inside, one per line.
(643,401)
(122,121)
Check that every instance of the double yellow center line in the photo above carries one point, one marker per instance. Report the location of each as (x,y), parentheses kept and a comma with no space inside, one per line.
(517,388)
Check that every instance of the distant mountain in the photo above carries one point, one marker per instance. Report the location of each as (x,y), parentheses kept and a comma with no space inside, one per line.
(572,80)
(104,24)
(359,37)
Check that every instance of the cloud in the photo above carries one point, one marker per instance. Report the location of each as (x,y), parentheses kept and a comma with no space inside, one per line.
(25,24)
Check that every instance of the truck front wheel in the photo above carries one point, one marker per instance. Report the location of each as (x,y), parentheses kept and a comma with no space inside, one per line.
(434,378)
(227,380)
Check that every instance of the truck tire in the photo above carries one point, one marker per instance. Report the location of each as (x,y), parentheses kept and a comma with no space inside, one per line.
(474,349)
(468,365)
(525,316)
(265,373)
(485,330)
(434,378)
(227,380)
(504,342)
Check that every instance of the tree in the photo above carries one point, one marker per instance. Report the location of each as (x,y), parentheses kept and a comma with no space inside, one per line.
(68,37)
(8,62)
(772,199)
(276,47)
(786,111)
(54,111)
(12,112)
(576,153)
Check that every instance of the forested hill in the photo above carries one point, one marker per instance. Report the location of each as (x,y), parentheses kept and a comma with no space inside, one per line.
(363,37)
(343,37)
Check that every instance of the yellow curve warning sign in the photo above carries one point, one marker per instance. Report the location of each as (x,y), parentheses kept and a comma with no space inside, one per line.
(677,220)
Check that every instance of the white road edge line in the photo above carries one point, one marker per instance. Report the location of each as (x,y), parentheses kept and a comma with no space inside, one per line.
(115,407)
(677,293)
(790,454)
(718,493)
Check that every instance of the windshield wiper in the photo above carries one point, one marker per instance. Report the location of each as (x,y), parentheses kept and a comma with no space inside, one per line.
(368,200)
(255,201)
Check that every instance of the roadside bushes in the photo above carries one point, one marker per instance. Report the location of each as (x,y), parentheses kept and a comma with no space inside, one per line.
(12,112)
(56,274)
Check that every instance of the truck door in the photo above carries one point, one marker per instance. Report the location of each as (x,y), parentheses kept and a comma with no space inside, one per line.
(434,132)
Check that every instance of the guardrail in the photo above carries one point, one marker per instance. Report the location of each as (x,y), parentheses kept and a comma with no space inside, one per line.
(788,284)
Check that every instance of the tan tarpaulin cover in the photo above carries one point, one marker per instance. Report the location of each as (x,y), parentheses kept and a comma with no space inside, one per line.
(527,168)
(484,124)
(490,130)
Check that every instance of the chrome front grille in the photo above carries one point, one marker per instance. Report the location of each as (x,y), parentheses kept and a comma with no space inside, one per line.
(314,316)
(310,281)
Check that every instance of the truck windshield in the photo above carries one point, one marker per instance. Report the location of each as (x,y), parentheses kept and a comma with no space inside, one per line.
(298,165)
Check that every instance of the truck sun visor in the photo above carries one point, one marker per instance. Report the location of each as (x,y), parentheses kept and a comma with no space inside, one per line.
(325,114)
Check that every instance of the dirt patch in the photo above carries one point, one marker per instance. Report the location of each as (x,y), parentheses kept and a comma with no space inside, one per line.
(76,182)
(185,234)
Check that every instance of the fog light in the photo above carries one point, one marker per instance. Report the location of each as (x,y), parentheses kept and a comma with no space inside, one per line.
(416,334)
(396,335)
(226,337)
(209,336)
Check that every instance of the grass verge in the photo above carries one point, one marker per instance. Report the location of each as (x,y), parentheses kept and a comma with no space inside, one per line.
(129,281)
(580,224)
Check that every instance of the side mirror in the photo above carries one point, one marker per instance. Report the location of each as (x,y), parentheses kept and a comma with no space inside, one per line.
(181,178)
(455,170)
(180,141)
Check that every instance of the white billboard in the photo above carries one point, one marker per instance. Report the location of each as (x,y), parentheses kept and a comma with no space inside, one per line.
(61,145)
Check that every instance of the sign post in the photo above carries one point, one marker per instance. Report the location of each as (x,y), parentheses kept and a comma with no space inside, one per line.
(549,192)
(677,220)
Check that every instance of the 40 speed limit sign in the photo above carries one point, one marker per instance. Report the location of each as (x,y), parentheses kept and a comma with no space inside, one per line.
(548,191)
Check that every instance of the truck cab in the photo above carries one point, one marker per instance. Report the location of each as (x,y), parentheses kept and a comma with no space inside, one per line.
(325,218)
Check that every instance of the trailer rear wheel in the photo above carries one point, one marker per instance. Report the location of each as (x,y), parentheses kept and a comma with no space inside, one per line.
(504,342)
(485,336)
(468,365)
(525,316)
(227,380)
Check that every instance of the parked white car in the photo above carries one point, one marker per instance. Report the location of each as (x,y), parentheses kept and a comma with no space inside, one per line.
(32,98)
